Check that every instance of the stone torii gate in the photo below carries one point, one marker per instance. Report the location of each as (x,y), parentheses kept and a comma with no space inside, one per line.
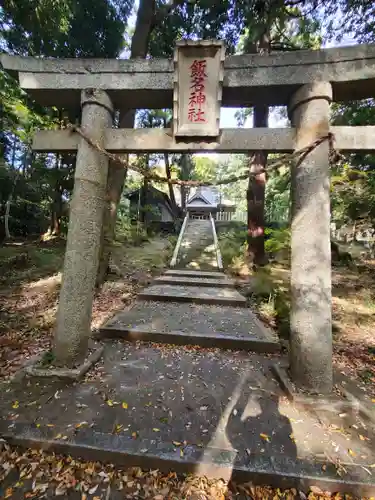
(305,81)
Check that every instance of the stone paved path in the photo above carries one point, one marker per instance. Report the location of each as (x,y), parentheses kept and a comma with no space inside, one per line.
(151,405)
(197,249)
(184,395)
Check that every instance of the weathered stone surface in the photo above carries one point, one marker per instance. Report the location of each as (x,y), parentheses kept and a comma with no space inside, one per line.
(85,224)
(187,318)
(65,373)
(311,323)
(272,79)
(206,295)
(198,59)
(197,249)
(225,405)
(194,281)
(240,140)
(156,140)
(195,274)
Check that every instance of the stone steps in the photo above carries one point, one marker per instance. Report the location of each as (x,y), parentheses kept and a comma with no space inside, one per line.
(194,281)
(195,274)
(192,324)
(195,294)
(197,247)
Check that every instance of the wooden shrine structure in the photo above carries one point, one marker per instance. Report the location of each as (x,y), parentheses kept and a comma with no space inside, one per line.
(305,81)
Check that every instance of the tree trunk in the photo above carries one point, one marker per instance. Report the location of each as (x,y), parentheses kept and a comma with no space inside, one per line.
(117,173)
(257,164)
(7,214)
(170,186)
(185,175)
(10,197)
(56,205)
(256,196)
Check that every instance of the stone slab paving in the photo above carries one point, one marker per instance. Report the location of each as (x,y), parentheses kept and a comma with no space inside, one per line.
(195,281)
(208,410)
(197,274)
(197,250)
(194,324)
(206,295)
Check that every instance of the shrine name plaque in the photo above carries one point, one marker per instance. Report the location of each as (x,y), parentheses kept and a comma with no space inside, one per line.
(198,83)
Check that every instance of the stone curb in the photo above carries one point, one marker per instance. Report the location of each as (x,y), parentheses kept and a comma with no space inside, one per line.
(333,402)
(66,373)
(278,471)
(192,338)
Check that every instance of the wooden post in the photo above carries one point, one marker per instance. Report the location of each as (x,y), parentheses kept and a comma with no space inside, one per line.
(86,216)
(310,321)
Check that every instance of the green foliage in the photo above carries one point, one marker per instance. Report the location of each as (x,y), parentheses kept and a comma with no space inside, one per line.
(232,243)
(64,28)
(277,240)
(130,233)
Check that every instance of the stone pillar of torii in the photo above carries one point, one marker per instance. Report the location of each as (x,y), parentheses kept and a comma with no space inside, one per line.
(305,81)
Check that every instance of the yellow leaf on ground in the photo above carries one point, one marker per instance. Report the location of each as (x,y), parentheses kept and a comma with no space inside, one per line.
(109,402)
(155,429)
(176,443)
(351,453)
(15,404)
(125,405)
(8,492)
(264,436)
(134,435)
(363,438)
(181,453)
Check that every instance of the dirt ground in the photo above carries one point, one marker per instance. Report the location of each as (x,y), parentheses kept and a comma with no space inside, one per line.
(29,290)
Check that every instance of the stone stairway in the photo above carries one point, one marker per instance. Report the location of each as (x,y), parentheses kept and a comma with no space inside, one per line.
(197,249)
(184,385)
(194,303)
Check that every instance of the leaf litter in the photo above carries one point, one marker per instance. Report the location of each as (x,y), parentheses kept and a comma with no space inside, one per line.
(40,475)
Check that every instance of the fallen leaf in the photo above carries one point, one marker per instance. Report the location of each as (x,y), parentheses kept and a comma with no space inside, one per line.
(93,489)
(15,404)
(181,453)
(124,405)
(155,429)
(109,402)
(316,490)
(8,492)
(363,438)
(60,490)
(78,426)
(351,453)
(265,437)
(176,443)
(134,435)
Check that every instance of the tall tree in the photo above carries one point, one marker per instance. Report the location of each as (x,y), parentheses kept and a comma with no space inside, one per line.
(270,25)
